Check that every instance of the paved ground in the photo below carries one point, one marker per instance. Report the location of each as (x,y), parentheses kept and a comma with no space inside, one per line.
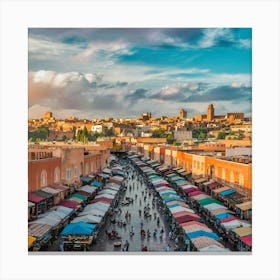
(154,243)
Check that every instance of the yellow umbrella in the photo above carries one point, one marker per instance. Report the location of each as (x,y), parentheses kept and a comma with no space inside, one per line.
(31,240)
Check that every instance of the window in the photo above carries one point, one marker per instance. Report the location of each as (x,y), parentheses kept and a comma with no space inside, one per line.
(75,171)
(216,173)
(241,180)
(68,175)
(223,174)
(57,175)
(44,180)
(231,177)
(86,168)
(91,166)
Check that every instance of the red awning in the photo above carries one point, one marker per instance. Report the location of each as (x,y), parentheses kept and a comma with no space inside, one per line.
(35,198)
(185,219)
(213,185)
(196,192)
(102,199)
(247,240)
(69,204)
(189,190)
(226,220)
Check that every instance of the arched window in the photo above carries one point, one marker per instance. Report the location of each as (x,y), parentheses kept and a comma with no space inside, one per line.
(44,180)
(75,171)
(68,173)
(57,175)
(231,177)
(81,168)
(241,180)
(223,174)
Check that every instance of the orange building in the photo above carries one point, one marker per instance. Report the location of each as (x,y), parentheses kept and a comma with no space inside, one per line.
(43,173)
(231,173)
(150,140)
(106,143)
(235,174)
(212,147)
(184,160)
(92,163)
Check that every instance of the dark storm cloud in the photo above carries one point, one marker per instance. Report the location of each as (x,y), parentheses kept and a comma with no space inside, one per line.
(113,85)
(222,93)
(137,94)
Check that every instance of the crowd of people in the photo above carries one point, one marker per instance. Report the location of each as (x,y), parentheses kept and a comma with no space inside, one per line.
(139,199)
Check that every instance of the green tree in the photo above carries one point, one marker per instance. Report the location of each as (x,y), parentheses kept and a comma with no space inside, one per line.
(159,133)
(200,133)
(40,134)
(170,138)
(221,135)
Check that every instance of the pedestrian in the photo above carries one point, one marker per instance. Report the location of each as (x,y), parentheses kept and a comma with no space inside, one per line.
(126,245)
(170,235)
(167,249)
(155,232)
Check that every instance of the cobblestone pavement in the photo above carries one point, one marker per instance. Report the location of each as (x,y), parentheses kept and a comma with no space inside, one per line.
(137,191)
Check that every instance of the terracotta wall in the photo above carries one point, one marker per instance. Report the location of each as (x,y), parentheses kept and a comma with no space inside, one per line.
(35,169)
(73,159)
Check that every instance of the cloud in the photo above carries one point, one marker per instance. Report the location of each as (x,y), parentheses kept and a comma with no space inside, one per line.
(178,92)
(45,48)
(222,93)
(73,90)
(221,37)
(137,95)
(112,48)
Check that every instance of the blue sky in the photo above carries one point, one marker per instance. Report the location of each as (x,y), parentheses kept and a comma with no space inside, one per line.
(94,73)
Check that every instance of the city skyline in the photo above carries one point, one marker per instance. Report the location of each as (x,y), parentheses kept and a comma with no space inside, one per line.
(125,72)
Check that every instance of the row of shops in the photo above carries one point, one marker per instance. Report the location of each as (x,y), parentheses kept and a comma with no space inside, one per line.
(184,221)
(76,220)
(215,211)
(211,206)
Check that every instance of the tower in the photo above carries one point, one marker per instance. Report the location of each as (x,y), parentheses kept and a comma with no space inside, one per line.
(210,112)
(48,115)
(182,114)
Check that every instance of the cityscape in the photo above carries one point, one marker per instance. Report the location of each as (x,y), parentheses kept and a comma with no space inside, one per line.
(150,151)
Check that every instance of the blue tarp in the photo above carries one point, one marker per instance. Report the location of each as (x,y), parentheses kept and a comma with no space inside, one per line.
(96,184)
(172,199)
(167,193)
(118,173)
(173,205)
(223,216)
(179,181)
(200,233)
(79,228)
(227,192)
(86,179)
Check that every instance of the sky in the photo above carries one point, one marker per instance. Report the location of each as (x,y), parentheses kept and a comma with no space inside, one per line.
(123,72)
